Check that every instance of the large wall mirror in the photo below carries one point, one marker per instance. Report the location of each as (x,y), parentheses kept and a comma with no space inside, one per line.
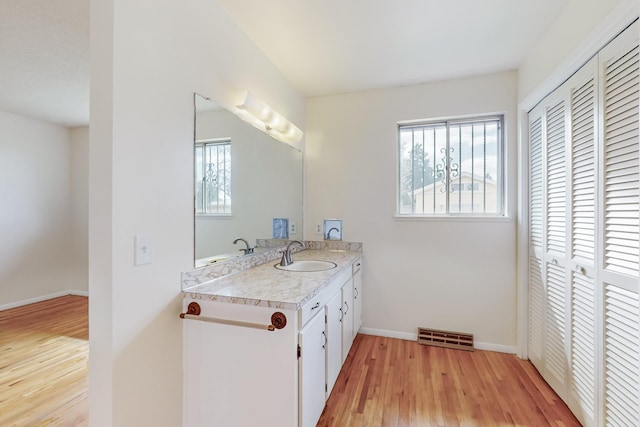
(247,185)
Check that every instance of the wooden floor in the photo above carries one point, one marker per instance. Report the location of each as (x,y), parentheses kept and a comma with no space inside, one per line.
(390,382)
(44,351)
(384,382)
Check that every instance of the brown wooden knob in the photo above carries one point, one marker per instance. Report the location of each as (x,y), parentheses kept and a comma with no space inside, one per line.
(278,320)
(193,308)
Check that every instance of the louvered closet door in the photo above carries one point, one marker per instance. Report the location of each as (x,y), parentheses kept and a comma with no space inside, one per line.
(619,276)
(536,235)
(548,289)
(584,232)
(556,307)
(583,358)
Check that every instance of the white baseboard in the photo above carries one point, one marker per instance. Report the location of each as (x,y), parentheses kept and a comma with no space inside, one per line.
(389,334)
(43,298)
(413,337)
(498,348)
(78,293)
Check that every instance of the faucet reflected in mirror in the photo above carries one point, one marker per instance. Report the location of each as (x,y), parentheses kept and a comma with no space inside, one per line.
(236,169)
(328,236)
(331,225)
(248,249)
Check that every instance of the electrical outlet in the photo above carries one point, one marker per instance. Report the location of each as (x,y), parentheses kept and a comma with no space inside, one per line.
(318,229)
(292,227)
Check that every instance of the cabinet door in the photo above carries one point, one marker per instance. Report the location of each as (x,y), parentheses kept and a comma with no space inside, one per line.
(347,318)
(357,298)
(312,340)
(334,339)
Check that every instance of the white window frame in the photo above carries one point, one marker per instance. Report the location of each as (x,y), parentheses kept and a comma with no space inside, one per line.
(501,213)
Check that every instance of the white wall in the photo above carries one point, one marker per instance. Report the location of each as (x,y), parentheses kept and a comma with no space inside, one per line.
(445,274)
(36,255)
(147,59)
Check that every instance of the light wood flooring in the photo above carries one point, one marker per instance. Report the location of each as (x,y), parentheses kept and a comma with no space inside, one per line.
(384,382)
(389,382)
(44,349)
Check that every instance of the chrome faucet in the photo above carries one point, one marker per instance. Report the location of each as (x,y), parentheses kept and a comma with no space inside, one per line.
(286,254)
(248,249)
(329,233)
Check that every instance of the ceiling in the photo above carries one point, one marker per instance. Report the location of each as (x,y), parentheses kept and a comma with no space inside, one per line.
(44,59)
(332,46)
(321,46)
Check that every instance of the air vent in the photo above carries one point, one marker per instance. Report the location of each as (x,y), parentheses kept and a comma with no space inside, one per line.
(447,339)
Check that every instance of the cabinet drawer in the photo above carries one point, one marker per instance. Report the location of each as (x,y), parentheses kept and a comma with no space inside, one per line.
(316,304)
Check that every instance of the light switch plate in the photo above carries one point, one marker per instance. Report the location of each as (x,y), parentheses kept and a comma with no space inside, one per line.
(143,250)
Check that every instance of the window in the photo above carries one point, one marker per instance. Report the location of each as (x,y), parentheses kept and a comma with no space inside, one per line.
(451,167)
(213,177)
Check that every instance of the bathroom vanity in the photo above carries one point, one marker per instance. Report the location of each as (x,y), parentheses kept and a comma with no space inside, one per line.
(263,346)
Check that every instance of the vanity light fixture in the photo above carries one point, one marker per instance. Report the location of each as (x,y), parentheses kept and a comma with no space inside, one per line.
(257,113)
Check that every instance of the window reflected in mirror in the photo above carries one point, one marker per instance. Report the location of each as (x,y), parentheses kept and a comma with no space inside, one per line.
(213,177)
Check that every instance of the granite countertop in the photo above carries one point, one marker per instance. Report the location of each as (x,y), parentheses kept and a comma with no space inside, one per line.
(267,286)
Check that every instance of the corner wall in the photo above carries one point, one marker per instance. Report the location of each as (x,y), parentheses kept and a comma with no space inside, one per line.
(441,273)
(147,60)
(36,257)
(79,155)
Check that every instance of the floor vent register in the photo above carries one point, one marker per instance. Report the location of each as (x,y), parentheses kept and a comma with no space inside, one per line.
(447,339)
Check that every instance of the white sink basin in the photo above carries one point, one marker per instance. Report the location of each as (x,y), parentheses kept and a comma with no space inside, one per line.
(307,266)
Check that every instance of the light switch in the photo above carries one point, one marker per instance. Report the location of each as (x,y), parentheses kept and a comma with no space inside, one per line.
(143,250)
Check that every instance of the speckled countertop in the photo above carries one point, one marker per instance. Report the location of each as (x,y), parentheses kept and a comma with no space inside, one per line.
(267,286)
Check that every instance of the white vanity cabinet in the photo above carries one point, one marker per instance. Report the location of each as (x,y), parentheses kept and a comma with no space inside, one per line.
(236,374)
(342,310)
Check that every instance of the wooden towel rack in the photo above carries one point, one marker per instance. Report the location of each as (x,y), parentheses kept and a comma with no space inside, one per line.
(278,319)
